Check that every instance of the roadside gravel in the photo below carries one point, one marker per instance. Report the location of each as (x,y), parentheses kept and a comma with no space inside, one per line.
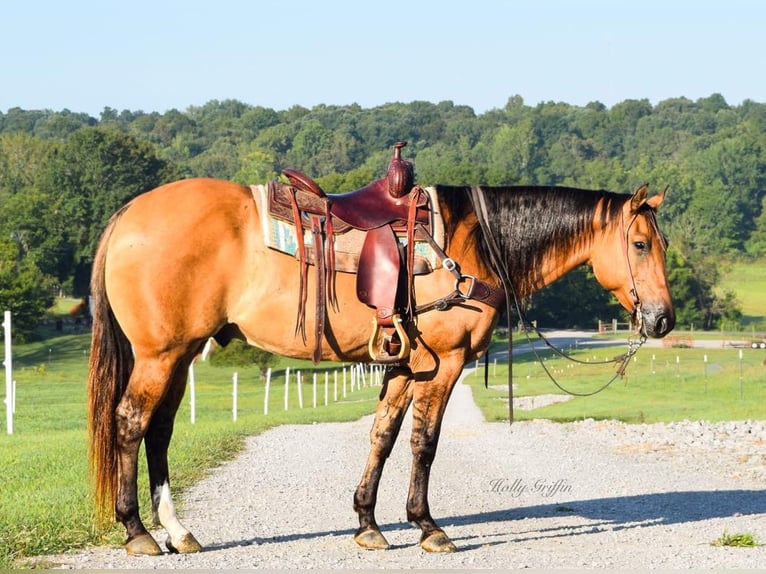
(538,494)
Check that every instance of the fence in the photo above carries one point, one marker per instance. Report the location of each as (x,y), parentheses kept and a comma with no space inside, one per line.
(612,327)
(342,381)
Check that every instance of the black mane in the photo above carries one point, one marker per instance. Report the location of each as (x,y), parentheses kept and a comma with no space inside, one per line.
(529,223)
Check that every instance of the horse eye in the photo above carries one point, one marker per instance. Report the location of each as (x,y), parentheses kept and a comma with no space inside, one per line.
(640,245)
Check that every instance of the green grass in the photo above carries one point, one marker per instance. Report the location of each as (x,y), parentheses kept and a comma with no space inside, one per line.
(45,506)
(745,540)
(661,385)
(748,280)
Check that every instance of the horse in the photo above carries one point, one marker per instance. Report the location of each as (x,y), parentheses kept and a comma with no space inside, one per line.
(187,261)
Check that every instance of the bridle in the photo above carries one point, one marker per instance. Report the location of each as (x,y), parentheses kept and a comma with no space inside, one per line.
(635,313)
(500,268)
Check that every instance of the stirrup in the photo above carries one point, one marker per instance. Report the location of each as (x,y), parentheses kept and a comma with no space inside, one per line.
(378,332)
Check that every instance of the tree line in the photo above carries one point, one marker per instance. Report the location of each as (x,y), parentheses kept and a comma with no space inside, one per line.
(62,174)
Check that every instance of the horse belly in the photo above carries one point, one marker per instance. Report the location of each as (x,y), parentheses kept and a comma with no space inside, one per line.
(267,313)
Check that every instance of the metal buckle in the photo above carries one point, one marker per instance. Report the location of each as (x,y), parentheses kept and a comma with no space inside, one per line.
(469,293)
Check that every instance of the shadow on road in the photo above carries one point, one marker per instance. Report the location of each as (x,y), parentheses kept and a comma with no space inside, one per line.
(614,514)
(625,512)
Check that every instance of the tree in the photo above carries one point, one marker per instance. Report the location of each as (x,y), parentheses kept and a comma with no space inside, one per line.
(22,158)
(586,302)
(95,173)
(33,219)
(238,353)
(256,166)
(692,285)
(24,290)
(756,244)
(511,151)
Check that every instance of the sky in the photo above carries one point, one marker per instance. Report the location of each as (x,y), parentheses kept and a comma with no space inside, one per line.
(153,56)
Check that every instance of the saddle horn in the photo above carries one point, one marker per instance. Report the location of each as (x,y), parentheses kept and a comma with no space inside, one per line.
(400,174)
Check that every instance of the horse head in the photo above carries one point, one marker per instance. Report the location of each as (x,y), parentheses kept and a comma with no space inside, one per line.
(629,259)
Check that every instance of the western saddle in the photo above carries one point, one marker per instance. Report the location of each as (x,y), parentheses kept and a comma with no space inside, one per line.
(386,210)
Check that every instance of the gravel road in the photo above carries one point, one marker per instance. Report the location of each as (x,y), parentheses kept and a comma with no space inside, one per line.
(534,495)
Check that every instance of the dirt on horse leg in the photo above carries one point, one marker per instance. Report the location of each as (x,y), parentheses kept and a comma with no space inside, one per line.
(430,401)
(131,421)
(395,397)
(145,389)
(157,440)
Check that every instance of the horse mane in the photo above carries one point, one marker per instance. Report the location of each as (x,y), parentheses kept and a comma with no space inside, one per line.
(531,223)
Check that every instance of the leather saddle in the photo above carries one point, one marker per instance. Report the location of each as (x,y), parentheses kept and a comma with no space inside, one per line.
(387,209)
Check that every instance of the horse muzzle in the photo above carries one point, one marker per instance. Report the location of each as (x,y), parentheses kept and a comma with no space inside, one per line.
(656,321)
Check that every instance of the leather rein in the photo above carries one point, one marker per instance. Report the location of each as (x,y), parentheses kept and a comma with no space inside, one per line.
(496,260)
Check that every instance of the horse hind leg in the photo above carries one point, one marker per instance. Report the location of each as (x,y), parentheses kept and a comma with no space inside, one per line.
(145,392)
(394,400)
(132,416)
(157,441)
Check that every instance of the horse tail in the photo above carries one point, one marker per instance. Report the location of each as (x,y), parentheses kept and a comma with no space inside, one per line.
(110,365)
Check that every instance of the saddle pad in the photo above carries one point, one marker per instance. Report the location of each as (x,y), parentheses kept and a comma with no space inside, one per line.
(280,235)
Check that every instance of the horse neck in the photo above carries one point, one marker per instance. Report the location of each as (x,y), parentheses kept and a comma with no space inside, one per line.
(603,222)
(555,266)
(544,232)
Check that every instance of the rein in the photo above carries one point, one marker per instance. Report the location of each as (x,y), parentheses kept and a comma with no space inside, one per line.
(496,260)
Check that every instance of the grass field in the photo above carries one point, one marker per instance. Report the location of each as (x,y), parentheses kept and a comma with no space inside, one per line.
(45,505)
(660,385)
(748,280)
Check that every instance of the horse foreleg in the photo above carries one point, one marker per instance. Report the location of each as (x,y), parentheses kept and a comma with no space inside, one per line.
(395,397)
(430,401)
(157,441)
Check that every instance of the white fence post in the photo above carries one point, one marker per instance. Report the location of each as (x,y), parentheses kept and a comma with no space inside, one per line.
(266,395)
(234,380)
(192,395)
(314,389)
(287,384)
(9,383)
(300,390)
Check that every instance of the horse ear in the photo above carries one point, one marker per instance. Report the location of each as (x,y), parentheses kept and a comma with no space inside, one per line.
(639,198)
(657,200)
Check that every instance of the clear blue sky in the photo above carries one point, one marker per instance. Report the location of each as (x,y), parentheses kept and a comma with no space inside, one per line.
(84,55)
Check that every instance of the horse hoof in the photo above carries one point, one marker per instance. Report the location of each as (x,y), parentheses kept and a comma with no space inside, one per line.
(371,539)
(142,545)
(186,545)
(437,541)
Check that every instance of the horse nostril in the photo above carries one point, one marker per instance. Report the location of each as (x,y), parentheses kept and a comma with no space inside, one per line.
(664,325)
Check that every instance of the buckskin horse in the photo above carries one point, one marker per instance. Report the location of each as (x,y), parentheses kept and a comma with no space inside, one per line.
(188,261)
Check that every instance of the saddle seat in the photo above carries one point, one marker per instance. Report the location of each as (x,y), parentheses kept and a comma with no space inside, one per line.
(384,201)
